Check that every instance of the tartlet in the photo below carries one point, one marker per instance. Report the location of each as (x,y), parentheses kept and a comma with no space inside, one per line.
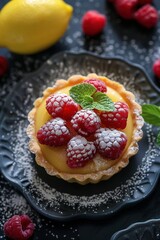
(54,158)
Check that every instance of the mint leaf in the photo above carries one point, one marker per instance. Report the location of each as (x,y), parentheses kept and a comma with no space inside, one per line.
(158,139)
(102,102)
(87,102)
(151,114)
(87,97)
(79,91)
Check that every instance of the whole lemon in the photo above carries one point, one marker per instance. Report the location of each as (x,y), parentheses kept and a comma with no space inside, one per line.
(29,26)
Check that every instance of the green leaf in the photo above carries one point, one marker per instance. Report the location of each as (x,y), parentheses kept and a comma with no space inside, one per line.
(87,102)
(102,102)
(151,114)
(79,91)
(87,97)
(158,139)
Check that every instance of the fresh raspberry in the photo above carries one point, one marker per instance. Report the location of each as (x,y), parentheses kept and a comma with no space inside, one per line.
(126,8)
(116,119)
(144,2)
(147,16)
(79,151)
(19,227)
(85,122)
(61,105)
(156,68)
(93,22)
(54,133)
(98,84)
(3,66)
(110,142)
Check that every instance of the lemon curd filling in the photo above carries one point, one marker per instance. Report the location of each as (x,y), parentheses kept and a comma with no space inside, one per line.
(56,156)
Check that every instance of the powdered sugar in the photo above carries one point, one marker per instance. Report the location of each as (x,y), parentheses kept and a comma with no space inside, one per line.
(13,203)
(46,196)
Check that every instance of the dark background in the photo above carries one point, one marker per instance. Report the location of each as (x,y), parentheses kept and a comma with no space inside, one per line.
(119,38)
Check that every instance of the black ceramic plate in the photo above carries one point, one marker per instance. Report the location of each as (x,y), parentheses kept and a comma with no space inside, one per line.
(56,198)
(140,231)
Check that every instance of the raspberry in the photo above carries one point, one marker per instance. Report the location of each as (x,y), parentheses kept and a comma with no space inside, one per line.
(147,16)
(3,66)
(98,84)
(143,2)
(86,122)
(93,22)
(126,8)
(19,227)
(61,105)
(156,68)
(54,133)
(79,151)
(117,118)
(110,142)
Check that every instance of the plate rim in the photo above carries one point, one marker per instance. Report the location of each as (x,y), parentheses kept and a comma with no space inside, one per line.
(93,216)
(134,225)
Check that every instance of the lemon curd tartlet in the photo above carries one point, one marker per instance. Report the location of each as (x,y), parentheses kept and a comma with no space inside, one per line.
(85,129)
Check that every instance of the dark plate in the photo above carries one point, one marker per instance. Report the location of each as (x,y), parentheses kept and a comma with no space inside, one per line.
(56,198)
(149,230)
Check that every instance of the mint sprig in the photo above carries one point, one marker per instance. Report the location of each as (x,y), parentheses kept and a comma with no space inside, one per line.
(151,115)
(87,97)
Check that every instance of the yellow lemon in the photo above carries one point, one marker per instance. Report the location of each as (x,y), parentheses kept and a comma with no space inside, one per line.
(29,26)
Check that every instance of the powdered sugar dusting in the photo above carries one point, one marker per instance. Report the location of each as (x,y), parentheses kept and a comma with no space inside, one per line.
(13,202)
(50,198)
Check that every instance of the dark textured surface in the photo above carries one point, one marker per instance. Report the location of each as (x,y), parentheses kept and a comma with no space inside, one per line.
(119,38)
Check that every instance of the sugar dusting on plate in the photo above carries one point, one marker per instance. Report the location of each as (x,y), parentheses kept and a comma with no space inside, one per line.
(48,198)
(12,202)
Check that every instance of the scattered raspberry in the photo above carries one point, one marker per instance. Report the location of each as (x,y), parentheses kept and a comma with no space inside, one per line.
(126,8)
(54,133)
(86,122)
(79,151)
(61,105)
(156,68)
(3,66)
(143,2)
(110,142)
(93,22)
(19,227)
(98,84)
(147,16)
(116,119)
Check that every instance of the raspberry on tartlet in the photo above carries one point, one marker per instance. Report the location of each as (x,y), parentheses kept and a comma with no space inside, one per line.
(61,105)
(98,84)
(54,133)
(110,142)
(85,122)
(116,119)
(79,151)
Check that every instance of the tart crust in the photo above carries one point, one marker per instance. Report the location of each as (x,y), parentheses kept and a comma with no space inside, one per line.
(110,168)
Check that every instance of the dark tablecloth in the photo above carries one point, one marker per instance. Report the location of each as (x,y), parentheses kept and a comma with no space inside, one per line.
(120,38)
